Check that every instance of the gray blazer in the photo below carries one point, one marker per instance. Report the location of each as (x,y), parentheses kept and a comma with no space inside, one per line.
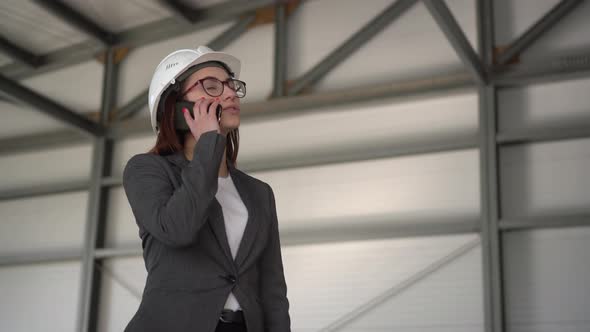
(190,267)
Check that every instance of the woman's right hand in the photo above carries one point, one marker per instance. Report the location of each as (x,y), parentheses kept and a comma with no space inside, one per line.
(205,118)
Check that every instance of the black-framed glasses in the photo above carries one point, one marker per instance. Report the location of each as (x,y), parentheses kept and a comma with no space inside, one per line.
(214,87)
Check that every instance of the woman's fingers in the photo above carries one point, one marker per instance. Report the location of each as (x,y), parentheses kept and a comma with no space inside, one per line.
(204,117)
(213,109)
(203,106)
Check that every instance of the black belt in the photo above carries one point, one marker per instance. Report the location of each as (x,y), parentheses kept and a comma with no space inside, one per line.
(230,316)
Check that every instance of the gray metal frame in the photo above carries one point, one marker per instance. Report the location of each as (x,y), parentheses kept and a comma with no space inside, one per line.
(481,75)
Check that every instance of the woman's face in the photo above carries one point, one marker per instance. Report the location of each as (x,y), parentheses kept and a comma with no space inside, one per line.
(229,101)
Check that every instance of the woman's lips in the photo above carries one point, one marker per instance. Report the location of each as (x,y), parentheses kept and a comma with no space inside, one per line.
(232,110)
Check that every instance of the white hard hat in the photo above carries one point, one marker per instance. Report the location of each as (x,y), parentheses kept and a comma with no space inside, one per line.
(178,62)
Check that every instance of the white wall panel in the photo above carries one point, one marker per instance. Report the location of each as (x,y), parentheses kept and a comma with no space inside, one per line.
(545,178)
(328,281)
(33,28)
(402,50)
(122,285)
(368,125)
(43,223)
(448,300)
(115,16)
(255,49)
(19,120)
(77,87)
(556,104)
(434,187)
(515,17)
(121,230)
(546,280)
(21,170)
(39,297)
(127,148)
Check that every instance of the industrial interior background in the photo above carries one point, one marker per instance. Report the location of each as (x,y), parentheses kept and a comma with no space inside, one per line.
(430,158)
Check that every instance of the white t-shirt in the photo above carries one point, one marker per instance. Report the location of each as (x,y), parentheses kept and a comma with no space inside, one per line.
(235,216)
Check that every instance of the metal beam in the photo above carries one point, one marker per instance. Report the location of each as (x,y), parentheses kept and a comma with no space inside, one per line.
(232,33)
(451,29)
(29,97)
(40,141)
(40,257)
(538,222)
(104,253)
(543,70)
(299,105)
(375,228)
(494,318)
(133,107)
(349,317)
(351,45)
(218,43)
(540,27)
(144,34)
(77,20)
(524,136)
(181,11)
(19,54)
(94,231)
(492,246)
(280,56)
(40,190)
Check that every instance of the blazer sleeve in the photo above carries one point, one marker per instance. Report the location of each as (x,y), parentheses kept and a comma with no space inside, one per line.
(174,217)
(275,304)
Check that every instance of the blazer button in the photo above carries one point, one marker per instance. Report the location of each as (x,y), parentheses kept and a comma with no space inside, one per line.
(231,278)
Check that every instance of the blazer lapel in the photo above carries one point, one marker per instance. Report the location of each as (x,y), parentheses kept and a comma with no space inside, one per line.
(252,224)
(217,224)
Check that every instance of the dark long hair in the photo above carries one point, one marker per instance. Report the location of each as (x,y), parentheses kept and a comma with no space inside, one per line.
(171,140)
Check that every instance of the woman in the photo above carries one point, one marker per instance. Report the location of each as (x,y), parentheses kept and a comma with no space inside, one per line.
(209,231)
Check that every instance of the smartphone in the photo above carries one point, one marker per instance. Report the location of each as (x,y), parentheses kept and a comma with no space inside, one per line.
(179,121)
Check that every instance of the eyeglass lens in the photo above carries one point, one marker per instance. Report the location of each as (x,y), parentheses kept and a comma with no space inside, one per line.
(214,87)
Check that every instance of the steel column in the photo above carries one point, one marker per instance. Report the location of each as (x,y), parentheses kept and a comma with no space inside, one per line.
(280,65)
(97,205)
(489,179)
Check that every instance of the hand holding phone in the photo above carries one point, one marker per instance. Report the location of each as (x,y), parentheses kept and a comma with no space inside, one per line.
(180,122)
(197,116)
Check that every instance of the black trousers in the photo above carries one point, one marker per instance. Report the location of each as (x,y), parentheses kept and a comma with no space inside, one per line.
(230,327)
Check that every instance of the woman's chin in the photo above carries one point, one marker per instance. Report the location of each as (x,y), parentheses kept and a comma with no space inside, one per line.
(230,125)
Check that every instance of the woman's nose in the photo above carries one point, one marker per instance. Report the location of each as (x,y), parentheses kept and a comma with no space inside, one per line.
(229,93)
